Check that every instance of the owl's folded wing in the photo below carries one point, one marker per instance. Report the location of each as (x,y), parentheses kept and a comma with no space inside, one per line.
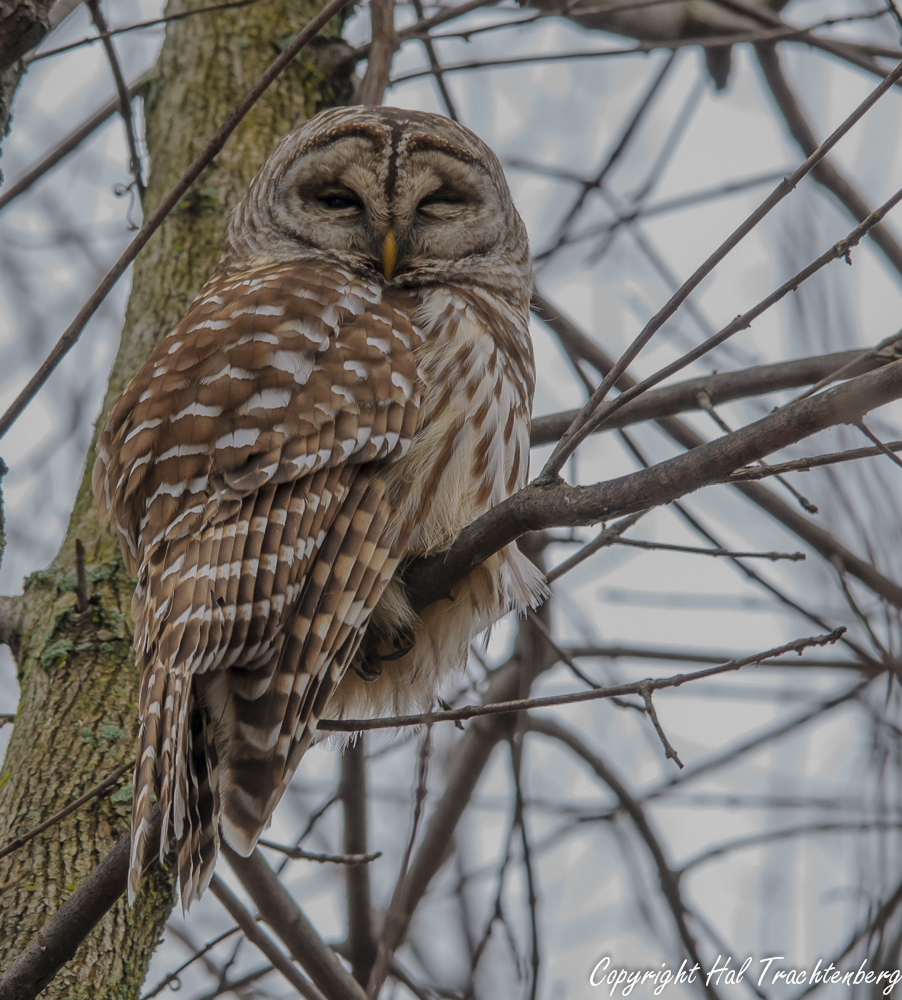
(274,374)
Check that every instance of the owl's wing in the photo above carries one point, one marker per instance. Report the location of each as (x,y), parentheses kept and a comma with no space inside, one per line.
(239,470)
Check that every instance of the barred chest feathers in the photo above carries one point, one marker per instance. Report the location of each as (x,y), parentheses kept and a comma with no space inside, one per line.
(470,452)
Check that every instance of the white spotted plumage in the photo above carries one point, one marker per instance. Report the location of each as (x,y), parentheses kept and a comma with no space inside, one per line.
(323,412)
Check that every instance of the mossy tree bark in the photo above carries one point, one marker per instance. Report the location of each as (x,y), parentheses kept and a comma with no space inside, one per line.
(77,715)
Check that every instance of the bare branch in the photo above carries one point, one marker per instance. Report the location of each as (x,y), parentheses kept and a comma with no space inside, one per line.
(611,534)
(383,45)
(813,462)
(669,752)
(188,177)
(697,550)
(173,977)
(525,704)
(541,506)
(137,26)
(11,621)
(125,105)
(70,143)
(395,917)
(580,429)
(669,879)
(653,45)
(825,172)
(815,536)
(299,854)
(436,67)
(296,932)
(257,937)
(361,937)
(593,413)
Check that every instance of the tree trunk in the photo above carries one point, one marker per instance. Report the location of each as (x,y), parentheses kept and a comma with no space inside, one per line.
(77,717)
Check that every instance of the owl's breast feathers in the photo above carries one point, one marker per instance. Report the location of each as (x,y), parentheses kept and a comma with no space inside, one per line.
(296,435)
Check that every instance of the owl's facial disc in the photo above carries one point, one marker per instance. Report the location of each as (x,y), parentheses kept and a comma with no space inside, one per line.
(421,209)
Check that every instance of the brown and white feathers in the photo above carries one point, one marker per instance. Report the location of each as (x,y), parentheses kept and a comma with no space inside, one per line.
(350,389)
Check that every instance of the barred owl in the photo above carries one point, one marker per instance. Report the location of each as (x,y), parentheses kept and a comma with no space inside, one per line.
(351,387)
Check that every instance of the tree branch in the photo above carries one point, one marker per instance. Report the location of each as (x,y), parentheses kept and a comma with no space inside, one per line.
(257,937)
(298,935)
(11,621)
(825,172)
(541,506)
(815,536)
(383,45)
(361,938)
(670,885)
(644,688)
(70,143)
(721,388)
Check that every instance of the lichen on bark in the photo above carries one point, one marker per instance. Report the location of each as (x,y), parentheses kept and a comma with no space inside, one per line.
(77,718)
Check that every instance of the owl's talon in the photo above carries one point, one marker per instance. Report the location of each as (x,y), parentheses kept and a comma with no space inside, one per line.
(398,654)
(368,675)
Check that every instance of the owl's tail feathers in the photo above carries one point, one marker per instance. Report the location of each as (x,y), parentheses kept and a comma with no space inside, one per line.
(198,845)
(145,781)
(523,584)
(177,763)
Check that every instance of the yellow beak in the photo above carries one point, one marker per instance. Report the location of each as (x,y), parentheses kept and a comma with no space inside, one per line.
(389,254)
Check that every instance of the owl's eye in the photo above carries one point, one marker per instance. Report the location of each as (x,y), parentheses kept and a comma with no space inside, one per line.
(336,202)
(442,197)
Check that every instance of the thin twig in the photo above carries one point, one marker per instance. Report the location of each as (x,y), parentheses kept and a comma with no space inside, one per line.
(607,536)
(581,427)
(706,403)
(137,26)
(594,414)
(234,985)
(299,854)
(70,143)
(697,550)
(525,704)
(650,711)
(125,105)
(640,48)
(188,177)
(436,67)
(669,879)
(98,789)
(173,977)
(396,909)
(881,447)
(825,173)
(748,474)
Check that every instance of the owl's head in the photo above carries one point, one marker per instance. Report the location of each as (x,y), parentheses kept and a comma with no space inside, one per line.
(411,196)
